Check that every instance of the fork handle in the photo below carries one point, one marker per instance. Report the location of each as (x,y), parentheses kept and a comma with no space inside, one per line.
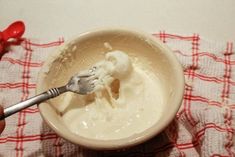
(51,93)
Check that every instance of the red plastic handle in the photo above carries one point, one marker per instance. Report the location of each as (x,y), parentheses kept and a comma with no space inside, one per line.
(15,30)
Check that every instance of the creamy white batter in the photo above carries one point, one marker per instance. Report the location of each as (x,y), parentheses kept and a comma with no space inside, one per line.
(127,100)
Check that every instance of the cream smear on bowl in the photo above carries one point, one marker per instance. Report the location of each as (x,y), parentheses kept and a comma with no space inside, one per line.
(128,99)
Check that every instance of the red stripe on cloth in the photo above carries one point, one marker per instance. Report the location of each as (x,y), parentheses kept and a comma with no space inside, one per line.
(162,36)
(31,110)
(189,145)
(219,155)
(202,99)
(17,85)
(227,75)
(209,78)
(58,145)
(181,146)
(207,54)
(174,134)
(201,132)
(228,122)
(219,128)
(232,106)
(225,97)
(20,62)
(204,77)
(191,75)
(28,138)
(174,36)
(46,45)
(25,93)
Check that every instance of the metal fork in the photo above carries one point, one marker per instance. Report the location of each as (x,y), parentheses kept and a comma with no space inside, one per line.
(81,84)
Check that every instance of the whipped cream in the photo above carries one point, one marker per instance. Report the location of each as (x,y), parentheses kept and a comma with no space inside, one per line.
(127,100)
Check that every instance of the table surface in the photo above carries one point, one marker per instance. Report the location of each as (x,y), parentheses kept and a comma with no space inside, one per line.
(50,19)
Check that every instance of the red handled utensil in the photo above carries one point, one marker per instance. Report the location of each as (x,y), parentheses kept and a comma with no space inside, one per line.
(13,31)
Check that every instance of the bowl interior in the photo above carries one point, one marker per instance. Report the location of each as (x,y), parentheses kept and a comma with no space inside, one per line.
(89,48)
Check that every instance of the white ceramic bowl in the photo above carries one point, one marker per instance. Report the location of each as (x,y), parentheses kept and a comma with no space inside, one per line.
(86,50)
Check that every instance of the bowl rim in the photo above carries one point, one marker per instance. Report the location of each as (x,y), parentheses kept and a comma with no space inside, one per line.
(132,140)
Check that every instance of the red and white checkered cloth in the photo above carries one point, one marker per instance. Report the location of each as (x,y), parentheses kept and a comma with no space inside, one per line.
(203,127)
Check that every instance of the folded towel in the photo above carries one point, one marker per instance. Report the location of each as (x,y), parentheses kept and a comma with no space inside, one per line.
(204,126)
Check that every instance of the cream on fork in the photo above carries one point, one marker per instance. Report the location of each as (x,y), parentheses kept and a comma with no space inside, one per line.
(82,83)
